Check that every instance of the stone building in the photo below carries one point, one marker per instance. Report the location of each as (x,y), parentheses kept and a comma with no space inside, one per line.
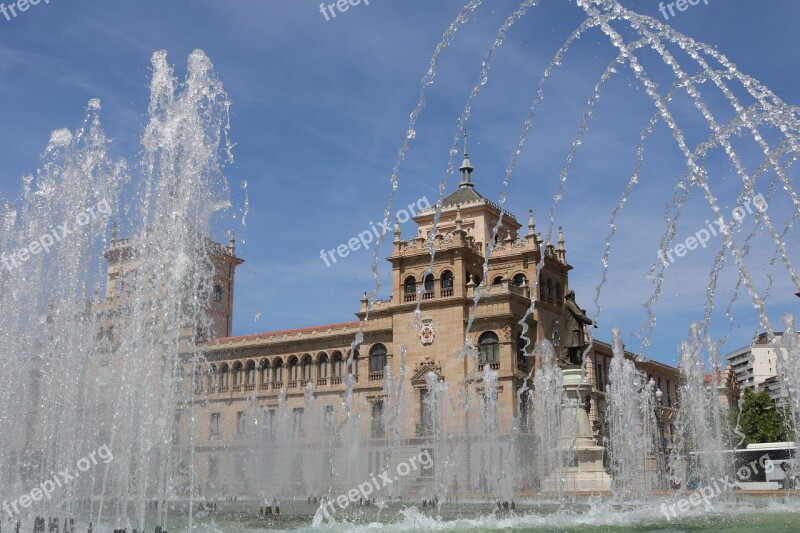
(268,408)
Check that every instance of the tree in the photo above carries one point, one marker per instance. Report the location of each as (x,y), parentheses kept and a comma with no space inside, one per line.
(761,421)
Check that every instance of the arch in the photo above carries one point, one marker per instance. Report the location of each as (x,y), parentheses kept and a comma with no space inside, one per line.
(322,365)
(520,280)
(263,370)
(293,367)
(355,363)
(429,284)
(308,362)
(337,364)
(224,376)
(212,376)
(250,373)
(489,346)
(238,373)
(277,370)
(198,378)
(377,358)
(447,280)
(498,280)
(410,285)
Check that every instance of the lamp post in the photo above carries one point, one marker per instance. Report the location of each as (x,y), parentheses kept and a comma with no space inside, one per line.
(651,385)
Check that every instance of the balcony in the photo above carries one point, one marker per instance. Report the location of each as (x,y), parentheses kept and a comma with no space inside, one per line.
(223,389)
(321,382)
(410,297)
(237,388)
(276,385)
(292,385)
(493,365)
(249,388)
(264,386)
(336,381)
(199,391)
(427,295)
(376,376)
(447,292)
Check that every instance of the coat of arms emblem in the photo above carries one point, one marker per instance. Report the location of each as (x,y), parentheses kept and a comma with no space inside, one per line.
(427,333)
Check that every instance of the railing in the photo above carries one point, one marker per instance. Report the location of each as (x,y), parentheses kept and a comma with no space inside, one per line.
(264,386)
(447,292)
(223,389)
(249,388)
(336,380)
(322,381)
(237,388)
(198,391)
(410,297)
(276,385)
(375,376)
(427,295)
(423,430)
(494,365)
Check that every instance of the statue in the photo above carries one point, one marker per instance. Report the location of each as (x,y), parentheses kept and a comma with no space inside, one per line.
(576,341)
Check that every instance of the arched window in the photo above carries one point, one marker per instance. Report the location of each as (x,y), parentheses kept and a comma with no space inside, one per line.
(250,376)
(428,287)
(263,368)
(489,346)
(337,365)
(559,295)
(355,363)
(293,374)
(410,288)
(217,293)
(238,373)
(212,377)
(549,291)
(223,377)
(277,368)
(447,283)
(198,378)
(377,358)
(520,280)
(497,280)
(322,372)
(307,364)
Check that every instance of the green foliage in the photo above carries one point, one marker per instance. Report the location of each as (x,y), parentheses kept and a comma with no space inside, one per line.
(761,421)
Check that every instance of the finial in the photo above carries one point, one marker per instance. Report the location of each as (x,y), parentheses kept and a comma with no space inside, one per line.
(531,223)
(232,241)
(560,238)
(396,229)
(114,232)
(466,167)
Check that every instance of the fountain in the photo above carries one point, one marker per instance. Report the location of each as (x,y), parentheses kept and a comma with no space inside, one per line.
(118,346)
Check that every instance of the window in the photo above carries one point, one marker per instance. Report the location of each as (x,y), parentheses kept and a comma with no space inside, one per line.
(264,368)
(217,293)
(328,418)
(489,346)
(497,280)
(307,364)
(223,377)
(215,420)
(278,371)
(213,467)
(338,364)
(429,285)
(377,358)
(267,421)
(447,281)
(549,291)
(425,414)
(293,374)
(322,372)
(520,280)
(601,385)
(237,374)
(559,295)
(251,373)
(669,394)
(522,361)
(297,419)
(410,286)
(378,431)
(354,363)
(212,377)
(241,420)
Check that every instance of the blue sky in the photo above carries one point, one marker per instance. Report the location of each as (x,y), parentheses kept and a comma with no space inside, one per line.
(320,109)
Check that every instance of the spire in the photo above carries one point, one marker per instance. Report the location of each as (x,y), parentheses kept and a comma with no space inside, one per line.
(232,242)
(560,238)
(396,229)
(531,223)
(466,167)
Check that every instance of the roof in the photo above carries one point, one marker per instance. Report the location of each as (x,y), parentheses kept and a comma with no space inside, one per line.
(270,334)
(462,195)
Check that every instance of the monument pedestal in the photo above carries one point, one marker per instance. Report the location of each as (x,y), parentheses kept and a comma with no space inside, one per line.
(583,469)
